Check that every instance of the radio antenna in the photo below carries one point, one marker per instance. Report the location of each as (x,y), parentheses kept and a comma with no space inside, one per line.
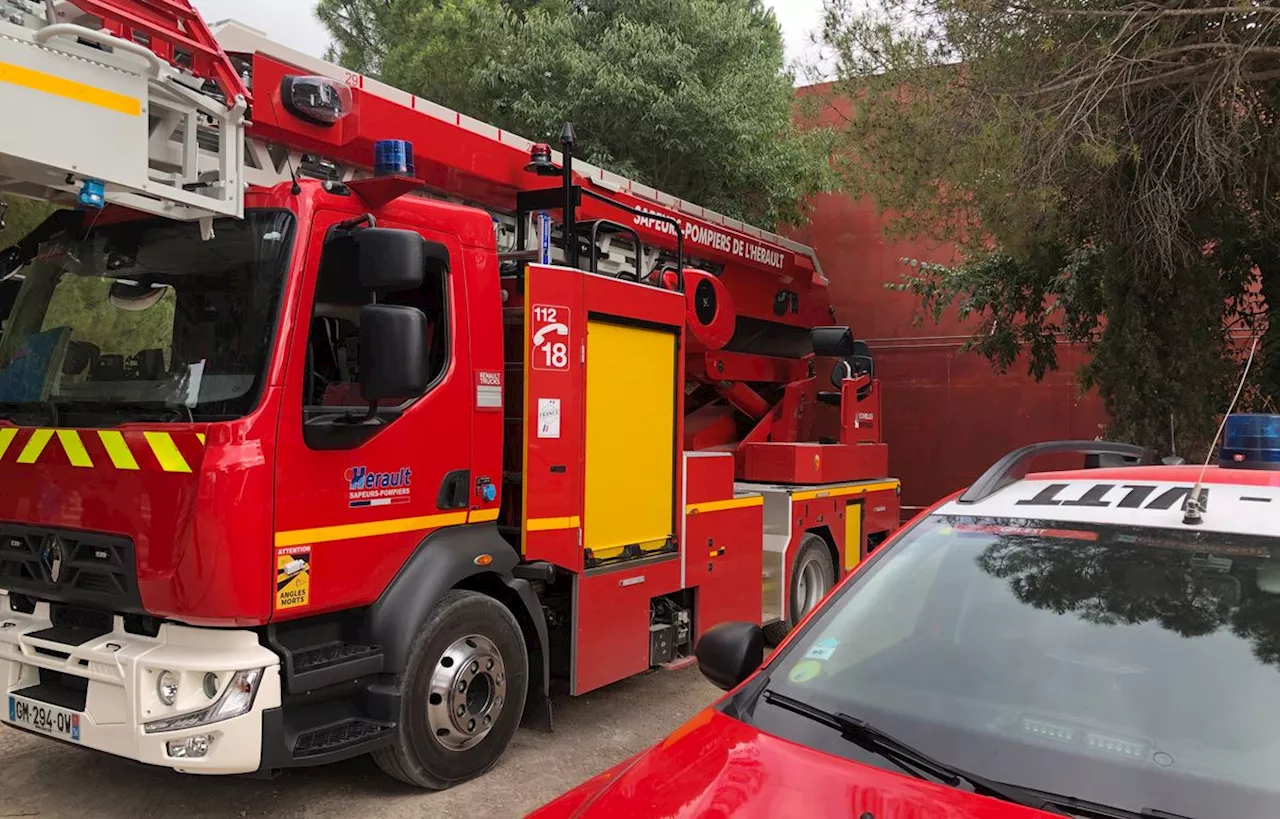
(1194,513)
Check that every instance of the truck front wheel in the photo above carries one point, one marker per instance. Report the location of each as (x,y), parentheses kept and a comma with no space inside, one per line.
(461,694)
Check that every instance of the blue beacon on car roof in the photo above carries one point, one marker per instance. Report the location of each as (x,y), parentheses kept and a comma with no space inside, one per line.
(1251,441)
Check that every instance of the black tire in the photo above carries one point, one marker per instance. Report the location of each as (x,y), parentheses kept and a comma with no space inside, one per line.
(812,552)
(418,756)
(776,632)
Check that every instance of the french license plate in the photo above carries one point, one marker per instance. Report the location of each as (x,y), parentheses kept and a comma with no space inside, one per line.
(47,719)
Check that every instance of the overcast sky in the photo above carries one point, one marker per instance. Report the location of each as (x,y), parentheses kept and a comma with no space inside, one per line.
(292,22)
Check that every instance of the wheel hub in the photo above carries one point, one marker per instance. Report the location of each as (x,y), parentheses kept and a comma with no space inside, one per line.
(811,587)
(467,693)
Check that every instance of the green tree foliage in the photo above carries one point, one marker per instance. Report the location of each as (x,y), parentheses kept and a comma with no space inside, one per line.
(689,96)
(80,302)
(1107,168)
(21,216)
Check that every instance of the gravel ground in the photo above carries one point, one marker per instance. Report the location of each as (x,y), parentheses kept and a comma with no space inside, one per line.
(593,732)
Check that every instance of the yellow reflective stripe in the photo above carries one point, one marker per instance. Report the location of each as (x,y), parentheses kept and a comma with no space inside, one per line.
(69,89)
(482,515)
(74,447)
(720,506)
(38,441)
(351,531)
(166,452)
(119,452)
(200,435)
(843,491)
(6,437)
(553,524)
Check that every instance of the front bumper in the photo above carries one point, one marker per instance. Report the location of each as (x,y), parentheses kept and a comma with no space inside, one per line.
(110,681)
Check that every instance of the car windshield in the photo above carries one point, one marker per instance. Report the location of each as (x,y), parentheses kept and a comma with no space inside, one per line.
(1133,668)
(145,319)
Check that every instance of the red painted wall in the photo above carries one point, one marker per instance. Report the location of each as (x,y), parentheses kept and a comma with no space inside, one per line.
(947,415)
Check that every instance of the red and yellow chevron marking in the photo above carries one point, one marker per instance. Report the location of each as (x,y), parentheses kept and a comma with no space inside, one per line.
(129,451)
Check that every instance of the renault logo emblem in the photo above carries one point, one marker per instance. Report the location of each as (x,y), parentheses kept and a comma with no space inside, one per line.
(51,556)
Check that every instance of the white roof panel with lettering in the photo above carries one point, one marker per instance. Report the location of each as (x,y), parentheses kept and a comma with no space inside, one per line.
(1081,498)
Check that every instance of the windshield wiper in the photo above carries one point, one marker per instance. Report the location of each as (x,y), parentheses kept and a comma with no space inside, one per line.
(181,411)
(906,757)
(1085,809)
(47,406)
(160,408)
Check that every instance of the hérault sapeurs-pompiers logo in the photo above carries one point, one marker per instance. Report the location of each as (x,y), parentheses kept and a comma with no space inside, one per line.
(368,488)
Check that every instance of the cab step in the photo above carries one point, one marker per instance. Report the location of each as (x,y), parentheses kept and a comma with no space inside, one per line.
(330,664)
(319,733)
(344,736)
(322,653)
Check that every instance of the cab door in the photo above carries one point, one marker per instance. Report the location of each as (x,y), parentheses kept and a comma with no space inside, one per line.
(354,501)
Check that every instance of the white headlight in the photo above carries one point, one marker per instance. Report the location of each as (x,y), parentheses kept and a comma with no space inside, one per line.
(235,701)
(167,687)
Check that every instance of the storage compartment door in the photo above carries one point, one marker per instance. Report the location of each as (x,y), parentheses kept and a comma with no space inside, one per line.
(630,440)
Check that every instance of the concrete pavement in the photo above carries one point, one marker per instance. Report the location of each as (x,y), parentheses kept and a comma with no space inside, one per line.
(50,781)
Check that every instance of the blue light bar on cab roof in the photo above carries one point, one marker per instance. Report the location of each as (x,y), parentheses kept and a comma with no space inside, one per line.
(1251,442)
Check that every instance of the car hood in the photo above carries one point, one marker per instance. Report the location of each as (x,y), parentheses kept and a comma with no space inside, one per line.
(717,766)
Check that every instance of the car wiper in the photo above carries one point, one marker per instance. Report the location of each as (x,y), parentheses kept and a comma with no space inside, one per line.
(1084,809)
(910,759)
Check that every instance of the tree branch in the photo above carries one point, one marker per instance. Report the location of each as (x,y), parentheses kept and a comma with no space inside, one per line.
(1150,11)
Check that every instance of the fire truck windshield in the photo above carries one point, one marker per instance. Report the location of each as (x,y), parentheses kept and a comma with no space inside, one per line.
(145,320)
(1134,668)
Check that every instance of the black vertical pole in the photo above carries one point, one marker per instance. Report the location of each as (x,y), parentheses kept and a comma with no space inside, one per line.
(567,140)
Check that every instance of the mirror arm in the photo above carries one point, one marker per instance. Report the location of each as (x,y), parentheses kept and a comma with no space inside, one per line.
(351,224)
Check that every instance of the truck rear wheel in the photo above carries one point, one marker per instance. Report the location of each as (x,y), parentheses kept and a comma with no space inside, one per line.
(461,694)
(812,576)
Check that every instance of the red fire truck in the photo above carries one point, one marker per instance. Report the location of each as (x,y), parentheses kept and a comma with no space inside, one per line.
(334,422)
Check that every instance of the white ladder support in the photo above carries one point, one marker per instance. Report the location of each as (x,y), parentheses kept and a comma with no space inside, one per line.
(116,114)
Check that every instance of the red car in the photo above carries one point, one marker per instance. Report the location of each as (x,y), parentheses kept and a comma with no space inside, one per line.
(1095,643)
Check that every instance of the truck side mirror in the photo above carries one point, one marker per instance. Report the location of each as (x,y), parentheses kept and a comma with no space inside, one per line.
(393,352)
(393,260)
(728,653)
(832,342)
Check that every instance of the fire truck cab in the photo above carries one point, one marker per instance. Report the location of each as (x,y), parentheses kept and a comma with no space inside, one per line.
(316,443)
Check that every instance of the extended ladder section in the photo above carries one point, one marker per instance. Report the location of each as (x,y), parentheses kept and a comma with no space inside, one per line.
(471,162)
(99,116)
(137,103)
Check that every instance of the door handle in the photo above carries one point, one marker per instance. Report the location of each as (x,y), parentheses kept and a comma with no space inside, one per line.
(455,490)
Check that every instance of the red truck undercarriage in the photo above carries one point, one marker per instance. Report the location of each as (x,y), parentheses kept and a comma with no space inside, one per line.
(363,462)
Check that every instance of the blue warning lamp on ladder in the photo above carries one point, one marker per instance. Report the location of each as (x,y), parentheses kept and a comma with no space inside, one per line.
(393,157)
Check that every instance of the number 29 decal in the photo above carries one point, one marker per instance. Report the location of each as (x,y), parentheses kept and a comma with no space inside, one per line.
(550,337)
